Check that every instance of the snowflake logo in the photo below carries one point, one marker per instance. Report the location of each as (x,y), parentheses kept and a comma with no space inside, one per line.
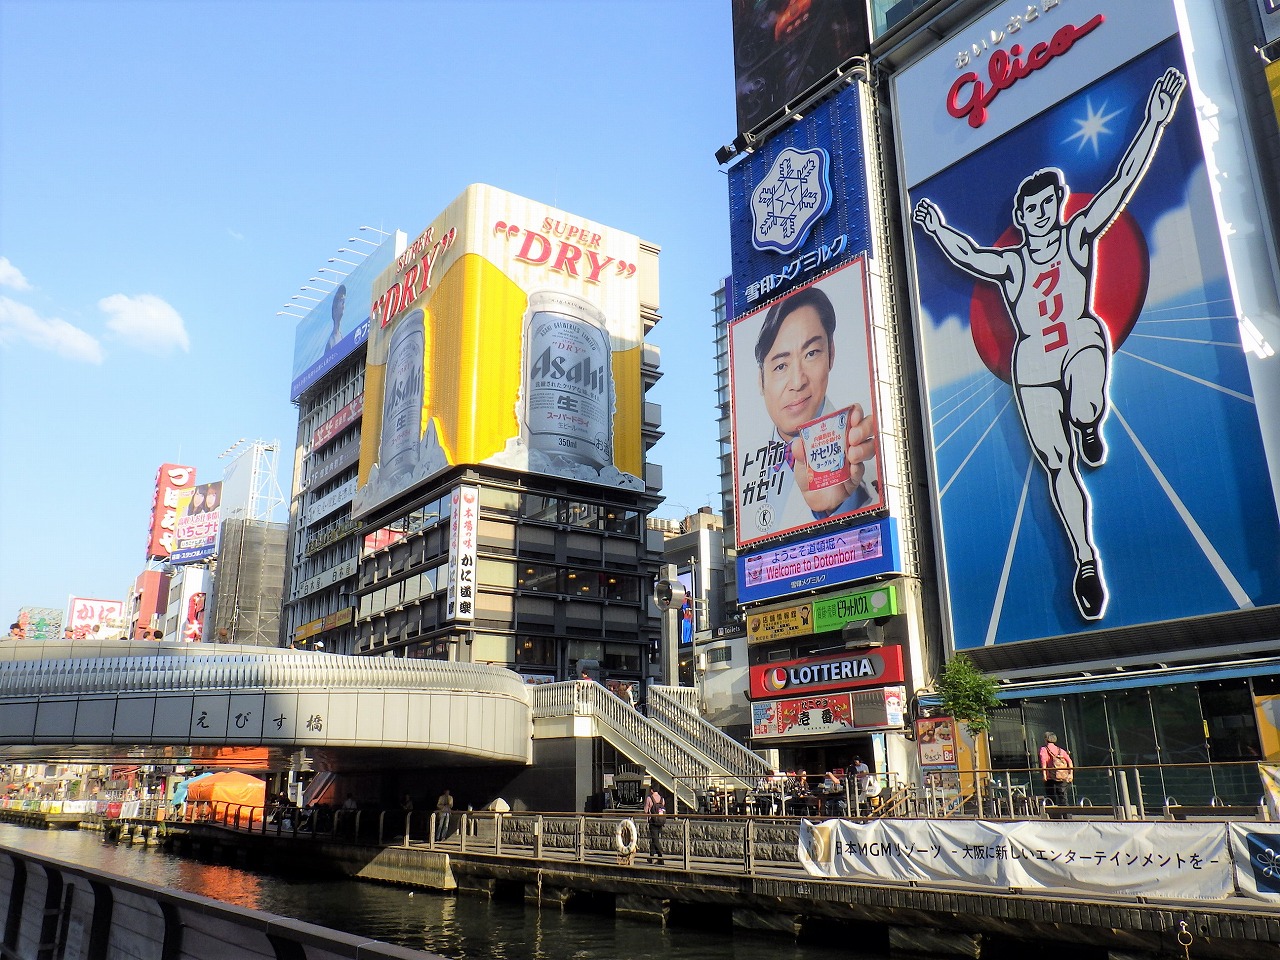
(789,199)
(1269,860)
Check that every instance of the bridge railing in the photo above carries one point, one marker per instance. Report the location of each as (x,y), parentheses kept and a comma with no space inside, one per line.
(50,668)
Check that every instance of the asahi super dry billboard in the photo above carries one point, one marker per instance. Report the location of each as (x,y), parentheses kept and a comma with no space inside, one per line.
(508,333)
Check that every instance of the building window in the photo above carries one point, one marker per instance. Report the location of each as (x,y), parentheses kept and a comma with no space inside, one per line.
(536,651)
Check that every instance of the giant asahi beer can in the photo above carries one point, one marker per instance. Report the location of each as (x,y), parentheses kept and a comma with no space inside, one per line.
(568,384)
(402,399)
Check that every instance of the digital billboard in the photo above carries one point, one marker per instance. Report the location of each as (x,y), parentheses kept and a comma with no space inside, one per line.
(173,483)
(819,563)
(509,333)
(196,531)
(798,203)
(781,48)
(803,412)
(338,323)
(1096,436)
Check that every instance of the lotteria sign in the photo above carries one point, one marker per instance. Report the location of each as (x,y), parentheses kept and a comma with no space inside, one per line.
(877,668)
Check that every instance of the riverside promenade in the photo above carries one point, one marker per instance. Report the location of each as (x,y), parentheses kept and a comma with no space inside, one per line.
(746,871)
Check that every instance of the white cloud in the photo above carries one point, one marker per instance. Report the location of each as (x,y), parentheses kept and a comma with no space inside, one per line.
(145,321)
(20,324)
(234,235)
(11,276)
(1184,258)
(950,354)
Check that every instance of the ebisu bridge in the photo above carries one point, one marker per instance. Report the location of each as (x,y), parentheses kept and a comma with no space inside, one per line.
(178,702)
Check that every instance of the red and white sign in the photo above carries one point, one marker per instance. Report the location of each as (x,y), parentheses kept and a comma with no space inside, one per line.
(1010,65)
(463,522)
(848,671)
(337,423)
(84,613)
(172,482)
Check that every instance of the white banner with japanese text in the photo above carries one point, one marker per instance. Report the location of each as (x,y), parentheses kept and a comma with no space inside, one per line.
(1180,860)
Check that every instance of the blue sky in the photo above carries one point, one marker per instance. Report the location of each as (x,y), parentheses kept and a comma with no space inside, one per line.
(172,172)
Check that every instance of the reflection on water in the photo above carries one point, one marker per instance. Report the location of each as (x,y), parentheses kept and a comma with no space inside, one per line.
(461,927)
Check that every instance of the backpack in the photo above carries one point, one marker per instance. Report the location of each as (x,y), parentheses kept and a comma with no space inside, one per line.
(1060,761)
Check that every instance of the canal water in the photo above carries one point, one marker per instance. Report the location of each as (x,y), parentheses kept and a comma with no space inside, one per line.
(458,927)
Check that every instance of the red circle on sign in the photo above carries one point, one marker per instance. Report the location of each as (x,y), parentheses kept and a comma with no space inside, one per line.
(1122,269)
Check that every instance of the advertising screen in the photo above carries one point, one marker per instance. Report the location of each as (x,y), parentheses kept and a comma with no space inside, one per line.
(339,323)
(798,204)
(804,441)
(196,533)
(781,48)
(820,562)
(1097,442)
(509,333)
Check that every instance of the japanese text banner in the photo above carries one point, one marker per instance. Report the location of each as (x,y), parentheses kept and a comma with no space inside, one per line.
(1181,860)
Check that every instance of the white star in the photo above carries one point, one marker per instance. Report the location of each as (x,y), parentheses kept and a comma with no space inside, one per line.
(1092,126)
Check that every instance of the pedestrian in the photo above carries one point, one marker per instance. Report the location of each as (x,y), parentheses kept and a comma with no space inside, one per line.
(585,674)
(655,808)
(15,632)
(1057,767)
(444,807)
(629,694)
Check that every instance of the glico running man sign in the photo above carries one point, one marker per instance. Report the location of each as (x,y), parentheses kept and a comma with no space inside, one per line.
(1097,445)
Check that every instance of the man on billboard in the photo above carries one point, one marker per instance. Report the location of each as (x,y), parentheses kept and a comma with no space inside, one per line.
(821,452)
(1062,349)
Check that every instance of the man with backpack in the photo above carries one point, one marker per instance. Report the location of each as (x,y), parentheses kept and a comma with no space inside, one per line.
(1058,770)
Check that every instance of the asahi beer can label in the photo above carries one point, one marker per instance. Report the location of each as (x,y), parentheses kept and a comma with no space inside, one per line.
(402,398)
(568,395)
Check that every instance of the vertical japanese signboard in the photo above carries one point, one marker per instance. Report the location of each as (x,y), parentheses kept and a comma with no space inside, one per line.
(463,520)
(173,483)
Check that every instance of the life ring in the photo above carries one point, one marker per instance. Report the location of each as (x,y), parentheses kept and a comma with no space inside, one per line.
(624,837)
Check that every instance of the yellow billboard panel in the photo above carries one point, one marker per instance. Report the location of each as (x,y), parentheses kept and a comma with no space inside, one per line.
(1273,81)
(508,333)
(768,625)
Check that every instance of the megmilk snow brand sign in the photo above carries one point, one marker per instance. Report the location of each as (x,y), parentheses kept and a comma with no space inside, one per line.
(1075,313)
(803,384)
(798,204)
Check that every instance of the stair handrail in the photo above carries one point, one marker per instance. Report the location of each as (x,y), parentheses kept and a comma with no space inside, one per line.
(682,768)
(727,756)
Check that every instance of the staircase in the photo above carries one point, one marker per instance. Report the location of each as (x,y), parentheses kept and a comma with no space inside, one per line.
(673,708)
(678,748)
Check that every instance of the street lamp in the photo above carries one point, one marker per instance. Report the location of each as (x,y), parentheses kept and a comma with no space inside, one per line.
(300,296)
(376,230)
(349,263)
(327,270)
(358,253)
(316,289)
(322,280)
(361,240)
